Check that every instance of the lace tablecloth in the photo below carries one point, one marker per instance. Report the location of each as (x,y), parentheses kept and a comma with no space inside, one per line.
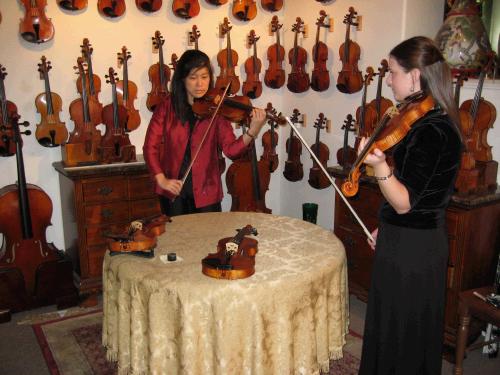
(290,317)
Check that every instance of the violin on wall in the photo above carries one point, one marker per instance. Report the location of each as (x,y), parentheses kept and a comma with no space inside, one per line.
(320,78)
(127,92)
(350,79)
(186,8)
(194,36)
(72,5)
(365,115)
(270,140)
(274,76)
(8,111)
(149,6)
(316,177)
(380,104)
(346,156)
(252,87)
(227,60)
(298,79)
(93,81)
(111,8)
(35,27)
(244,10)
(293,167)
(159,75)
(272,5)
(217,2)
(51,131)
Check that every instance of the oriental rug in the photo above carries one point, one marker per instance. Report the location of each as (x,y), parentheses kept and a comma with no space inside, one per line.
(72,346)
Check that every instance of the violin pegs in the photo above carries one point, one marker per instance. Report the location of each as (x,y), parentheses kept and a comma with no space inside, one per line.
(359,21)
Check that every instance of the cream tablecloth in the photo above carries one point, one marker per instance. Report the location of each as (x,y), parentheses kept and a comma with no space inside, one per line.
(290,317)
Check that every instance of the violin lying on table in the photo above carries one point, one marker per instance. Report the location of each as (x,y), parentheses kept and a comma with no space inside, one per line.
(141,237)
(235,257)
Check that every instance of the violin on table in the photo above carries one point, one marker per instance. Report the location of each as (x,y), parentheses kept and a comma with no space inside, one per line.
(252,87)
(149,6)
(186,8)
(316,178)
(51,131)
(235,256)
(350,79)
(73,5)
(293,167)
(320,78)
(35,27)
(127,92)
(298,79)
(115,144)
(159,76)
(227,60)
(111,8)
(274,76)
(8,110)
(244,10)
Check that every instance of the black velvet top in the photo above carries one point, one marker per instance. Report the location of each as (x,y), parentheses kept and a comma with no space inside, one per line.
(426,162)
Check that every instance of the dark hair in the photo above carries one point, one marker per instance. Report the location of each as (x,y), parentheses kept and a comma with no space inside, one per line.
(191,59)
(435,75)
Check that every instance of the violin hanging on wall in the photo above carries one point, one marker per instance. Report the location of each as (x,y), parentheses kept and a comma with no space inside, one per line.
(217,2)
(149,6)
(365,115)
(316,177)
(111,8)
(127,92)
(8,110)
(272,5)
(346,156)
(51,131)
(35,27)
(320,78)
(194,36)
(350,79)
(72,5)
(274,76)
(244,10)
(159,75)
(252,87)
(293,167)
(186,8)
(270,140)
(227,60)
(380,104)
(298,79)
(93,81)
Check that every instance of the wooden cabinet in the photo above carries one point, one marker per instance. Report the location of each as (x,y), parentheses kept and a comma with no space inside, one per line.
(474,239)
(97,200)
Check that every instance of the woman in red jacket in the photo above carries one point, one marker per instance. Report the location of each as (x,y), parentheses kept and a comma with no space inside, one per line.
(176,133)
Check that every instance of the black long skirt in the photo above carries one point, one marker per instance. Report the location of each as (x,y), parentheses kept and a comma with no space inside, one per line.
(405,313)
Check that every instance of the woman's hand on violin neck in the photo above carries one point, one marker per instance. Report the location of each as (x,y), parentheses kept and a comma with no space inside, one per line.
(374,158)
(170,185)
(258,119)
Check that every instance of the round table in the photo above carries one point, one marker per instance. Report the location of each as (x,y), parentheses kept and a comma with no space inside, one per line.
(290,317)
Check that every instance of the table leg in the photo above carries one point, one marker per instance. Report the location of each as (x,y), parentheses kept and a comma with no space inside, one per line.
(463,331)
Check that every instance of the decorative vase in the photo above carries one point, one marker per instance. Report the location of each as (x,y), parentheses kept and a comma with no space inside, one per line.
(463,39)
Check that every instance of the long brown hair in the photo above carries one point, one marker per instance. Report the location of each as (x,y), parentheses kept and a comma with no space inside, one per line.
(422,53)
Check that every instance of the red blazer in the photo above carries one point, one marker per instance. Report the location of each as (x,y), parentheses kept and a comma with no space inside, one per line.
(207,185)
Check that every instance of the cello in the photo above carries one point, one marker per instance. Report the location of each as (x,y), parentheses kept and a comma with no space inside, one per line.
(244,10)
(272,5)
(320,77)
(186,8)
(85,138)
(115,144)
(227,60)
(26,211)
(111,8)
(347,155)
(235,256)
(298,79)
(72,5)
(35,27)
(8,110)
(252,87)
(149,6)
(50,132)
(270,141)
(127,92)
(159,75)
(317,179)
(274,76)
(293,167)
(350,79)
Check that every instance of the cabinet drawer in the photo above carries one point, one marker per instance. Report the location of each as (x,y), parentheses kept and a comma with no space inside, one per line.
(96,257)
(106,213)
(104,190)
(345,218)
(144,208)
(96,235)
(367,200)
(141,187)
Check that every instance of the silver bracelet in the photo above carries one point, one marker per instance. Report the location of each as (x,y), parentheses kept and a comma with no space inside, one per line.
(384,177)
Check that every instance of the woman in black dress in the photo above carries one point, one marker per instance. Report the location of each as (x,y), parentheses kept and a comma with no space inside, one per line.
(405,314)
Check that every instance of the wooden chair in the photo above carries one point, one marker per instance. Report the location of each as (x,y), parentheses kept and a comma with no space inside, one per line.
(472,306)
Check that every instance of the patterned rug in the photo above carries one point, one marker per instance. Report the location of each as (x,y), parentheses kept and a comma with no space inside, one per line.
(72,346)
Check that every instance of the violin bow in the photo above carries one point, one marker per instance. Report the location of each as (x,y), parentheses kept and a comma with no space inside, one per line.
(313,155)
(205,135)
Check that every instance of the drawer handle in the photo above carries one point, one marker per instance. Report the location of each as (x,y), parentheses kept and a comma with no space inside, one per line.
(106,213)
(105,190)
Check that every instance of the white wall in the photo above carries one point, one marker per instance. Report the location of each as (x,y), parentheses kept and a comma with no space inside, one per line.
(385,23)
